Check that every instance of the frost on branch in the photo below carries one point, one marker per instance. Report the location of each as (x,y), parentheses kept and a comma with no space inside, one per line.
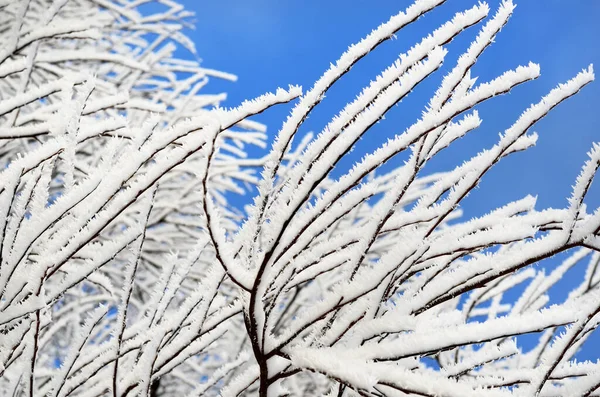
(125,271)
(105,140)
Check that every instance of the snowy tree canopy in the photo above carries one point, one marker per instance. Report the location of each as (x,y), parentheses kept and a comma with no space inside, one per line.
(124,271)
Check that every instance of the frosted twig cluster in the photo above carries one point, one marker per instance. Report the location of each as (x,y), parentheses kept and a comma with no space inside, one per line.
(124,271)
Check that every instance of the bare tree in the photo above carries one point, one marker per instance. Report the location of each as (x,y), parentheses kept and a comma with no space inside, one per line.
(124,271)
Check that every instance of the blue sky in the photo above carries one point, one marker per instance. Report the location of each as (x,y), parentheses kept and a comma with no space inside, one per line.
(272,43)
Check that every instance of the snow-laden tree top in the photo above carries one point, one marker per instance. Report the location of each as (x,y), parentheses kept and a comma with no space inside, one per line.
(124,271)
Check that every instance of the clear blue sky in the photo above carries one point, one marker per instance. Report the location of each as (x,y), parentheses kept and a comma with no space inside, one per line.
(272,43)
